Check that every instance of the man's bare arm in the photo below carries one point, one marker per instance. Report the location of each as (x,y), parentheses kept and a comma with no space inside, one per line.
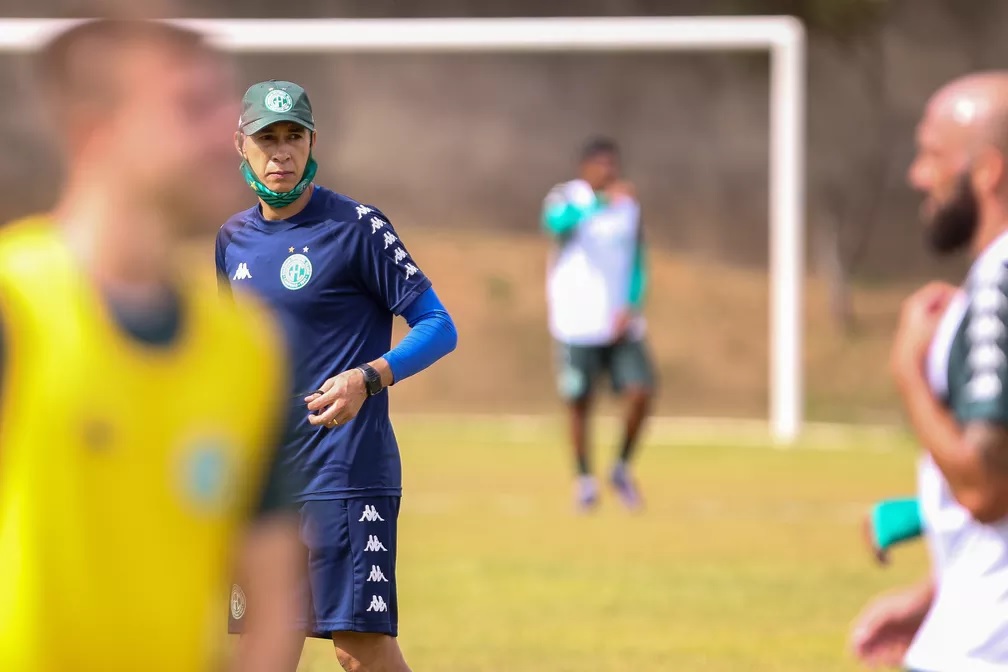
(991,443)
(271,566)
(974,459)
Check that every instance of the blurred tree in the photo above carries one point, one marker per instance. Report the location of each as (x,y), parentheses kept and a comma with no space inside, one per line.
(854,30)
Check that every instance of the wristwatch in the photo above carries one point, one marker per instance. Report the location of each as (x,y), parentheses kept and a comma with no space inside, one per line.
(372,379)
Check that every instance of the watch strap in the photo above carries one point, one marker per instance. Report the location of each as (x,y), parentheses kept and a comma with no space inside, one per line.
(372,379)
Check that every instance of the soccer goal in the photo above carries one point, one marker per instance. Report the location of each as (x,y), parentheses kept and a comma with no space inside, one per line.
(782,37)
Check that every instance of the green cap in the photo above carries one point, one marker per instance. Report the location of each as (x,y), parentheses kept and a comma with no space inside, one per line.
(266,103)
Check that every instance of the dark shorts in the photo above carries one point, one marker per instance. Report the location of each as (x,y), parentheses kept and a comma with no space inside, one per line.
(627,364)
(351,567)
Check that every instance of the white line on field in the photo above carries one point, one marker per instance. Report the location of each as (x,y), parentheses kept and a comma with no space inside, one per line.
(675,430)
(518,505)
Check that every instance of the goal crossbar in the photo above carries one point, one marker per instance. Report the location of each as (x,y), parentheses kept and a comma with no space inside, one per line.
(782,36)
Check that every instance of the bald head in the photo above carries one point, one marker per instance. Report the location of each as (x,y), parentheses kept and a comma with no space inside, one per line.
(971,112)
(961,165)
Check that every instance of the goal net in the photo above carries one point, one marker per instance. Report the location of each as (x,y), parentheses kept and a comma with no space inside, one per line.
(781,37)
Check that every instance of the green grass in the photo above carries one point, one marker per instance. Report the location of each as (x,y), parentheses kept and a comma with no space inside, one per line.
(747,558)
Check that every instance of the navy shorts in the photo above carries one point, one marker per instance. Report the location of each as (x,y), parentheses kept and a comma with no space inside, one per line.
(351,584)
(627,363)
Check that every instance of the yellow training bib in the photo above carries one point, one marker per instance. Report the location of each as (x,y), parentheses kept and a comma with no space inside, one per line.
(126,470)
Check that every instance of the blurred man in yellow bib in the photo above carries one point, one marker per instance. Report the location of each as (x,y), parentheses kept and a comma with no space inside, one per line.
(137,443)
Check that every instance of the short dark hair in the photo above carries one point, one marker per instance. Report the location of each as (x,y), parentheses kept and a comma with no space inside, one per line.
(77,66)
(598,146)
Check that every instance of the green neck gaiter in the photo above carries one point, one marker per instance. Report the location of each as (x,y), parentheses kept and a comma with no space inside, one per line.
(275,199)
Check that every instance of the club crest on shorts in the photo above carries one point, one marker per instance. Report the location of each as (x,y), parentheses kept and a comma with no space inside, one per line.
(295,272)
(237,602)
(278,100)
(572,382)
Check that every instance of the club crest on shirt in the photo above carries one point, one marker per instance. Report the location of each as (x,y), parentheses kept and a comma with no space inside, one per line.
(206,475)
(296,271)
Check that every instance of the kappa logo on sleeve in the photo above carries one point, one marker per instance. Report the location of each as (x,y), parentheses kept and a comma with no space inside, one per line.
(985,328)
(986,357)
(985,335)
(984,387)
(989,300)
(399,253)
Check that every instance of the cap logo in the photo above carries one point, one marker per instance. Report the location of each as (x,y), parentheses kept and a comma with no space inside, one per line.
(279,100)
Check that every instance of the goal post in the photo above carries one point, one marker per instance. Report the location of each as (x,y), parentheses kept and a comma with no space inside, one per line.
(782,36)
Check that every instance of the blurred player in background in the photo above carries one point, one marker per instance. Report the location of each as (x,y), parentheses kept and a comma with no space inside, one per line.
(950,362)
(595,295)
(135,440)
(337,274)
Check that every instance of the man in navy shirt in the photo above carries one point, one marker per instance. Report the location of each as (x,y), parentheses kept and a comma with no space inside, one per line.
(336,273)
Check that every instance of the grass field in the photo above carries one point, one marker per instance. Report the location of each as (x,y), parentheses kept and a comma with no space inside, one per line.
(747,558)
(708,326)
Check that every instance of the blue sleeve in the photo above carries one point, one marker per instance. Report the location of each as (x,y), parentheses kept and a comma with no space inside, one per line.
(223,285)
(432,335)
(387,270)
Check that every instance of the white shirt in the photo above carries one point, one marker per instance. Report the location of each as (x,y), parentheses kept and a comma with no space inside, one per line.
(966,629)
(588,280)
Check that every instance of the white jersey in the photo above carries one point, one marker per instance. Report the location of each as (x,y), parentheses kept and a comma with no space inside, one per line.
(966,629)
(588,280)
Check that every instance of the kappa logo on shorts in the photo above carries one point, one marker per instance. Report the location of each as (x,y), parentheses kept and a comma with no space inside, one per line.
(237,602)
(370,515)
(376,575)
(373,544)
(377,604)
